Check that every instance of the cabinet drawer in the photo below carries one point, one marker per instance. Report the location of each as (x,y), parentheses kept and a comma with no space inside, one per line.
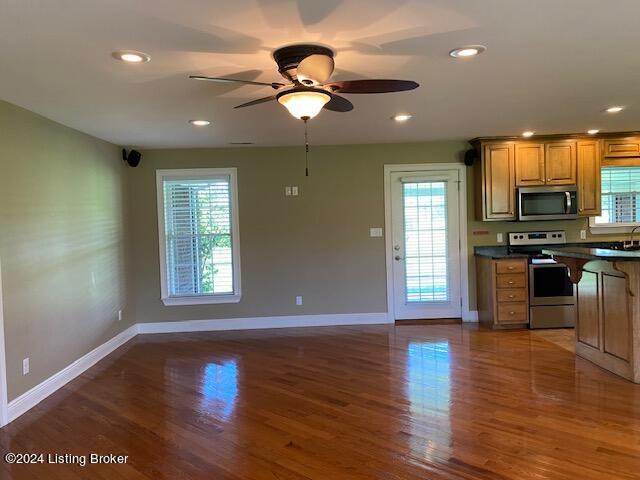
(511,281)
(513,313)
(629,147)
(510,266)
(511,295)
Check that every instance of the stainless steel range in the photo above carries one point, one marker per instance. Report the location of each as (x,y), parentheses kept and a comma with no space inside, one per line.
(552,296)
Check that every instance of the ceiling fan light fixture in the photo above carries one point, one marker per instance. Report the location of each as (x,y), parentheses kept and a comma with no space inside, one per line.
(304,103)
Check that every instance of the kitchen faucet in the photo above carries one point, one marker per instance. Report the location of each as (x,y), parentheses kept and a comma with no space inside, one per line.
(630,244)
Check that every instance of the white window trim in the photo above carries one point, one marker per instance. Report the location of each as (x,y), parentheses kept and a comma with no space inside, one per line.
(609,228)
(197,174)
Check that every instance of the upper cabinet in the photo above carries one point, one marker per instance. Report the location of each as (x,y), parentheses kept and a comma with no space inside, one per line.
(622,148)
(589,177)
(560,163)
(530,169)
(552,163)
(497,182)
(508,164)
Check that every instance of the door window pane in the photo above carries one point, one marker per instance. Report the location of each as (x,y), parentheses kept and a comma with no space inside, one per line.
(425,237)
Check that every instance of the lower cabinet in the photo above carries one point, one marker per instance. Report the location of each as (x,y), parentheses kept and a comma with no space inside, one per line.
(503,292)
(604,321)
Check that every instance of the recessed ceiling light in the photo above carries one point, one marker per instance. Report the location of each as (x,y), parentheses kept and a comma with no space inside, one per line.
(402,117)
(614,109)
(593,131)
(528,133)
(468,51)
(200,123)
(131,56)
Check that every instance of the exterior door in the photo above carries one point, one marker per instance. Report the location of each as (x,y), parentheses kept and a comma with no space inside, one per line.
(425,244)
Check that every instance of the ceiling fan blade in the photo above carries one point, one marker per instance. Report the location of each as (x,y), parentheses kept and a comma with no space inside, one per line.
(315,69)
(235,80)
(372,86)
(338,104)
(256,102)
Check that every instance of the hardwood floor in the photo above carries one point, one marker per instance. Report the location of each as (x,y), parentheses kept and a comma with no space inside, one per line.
(374,402)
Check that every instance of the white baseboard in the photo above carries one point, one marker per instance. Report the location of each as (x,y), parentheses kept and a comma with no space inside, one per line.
(265,322)
(41,391)
(470,316)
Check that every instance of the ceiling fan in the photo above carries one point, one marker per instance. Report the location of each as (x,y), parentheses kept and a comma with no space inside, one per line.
(307,68)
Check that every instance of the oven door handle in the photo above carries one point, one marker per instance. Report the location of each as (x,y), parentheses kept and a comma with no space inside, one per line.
(568,207)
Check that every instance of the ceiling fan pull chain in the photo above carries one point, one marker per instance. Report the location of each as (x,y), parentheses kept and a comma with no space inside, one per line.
(306,147)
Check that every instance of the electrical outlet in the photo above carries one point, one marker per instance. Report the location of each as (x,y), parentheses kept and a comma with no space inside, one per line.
(119,315)
(287,191)
(299,300)
(25,366)
(499,238)
(294,190)
(583,234)
(375,232)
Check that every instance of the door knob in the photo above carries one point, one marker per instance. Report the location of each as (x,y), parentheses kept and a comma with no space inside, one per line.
(396,248)
(398,257)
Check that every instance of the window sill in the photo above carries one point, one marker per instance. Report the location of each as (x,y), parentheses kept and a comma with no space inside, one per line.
(609,228)
(201,300)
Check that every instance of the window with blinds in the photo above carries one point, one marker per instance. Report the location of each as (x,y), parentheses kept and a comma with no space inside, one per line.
(620,196)
(199,246)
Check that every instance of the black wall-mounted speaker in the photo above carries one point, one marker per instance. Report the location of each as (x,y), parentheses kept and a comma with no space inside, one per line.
(470,157)
(133,158)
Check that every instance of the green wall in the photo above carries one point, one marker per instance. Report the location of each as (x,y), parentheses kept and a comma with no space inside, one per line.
(316,245)
(62,244)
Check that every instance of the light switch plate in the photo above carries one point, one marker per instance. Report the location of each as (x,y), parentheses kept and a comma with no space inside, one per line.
(375,232)
(500,238)
(25,366)
(299,300)
(583,234)
(294,190)
(287,191)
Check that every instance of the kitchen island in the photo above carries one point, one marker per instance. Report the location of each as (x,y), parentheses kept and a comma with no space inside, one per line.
(608,306)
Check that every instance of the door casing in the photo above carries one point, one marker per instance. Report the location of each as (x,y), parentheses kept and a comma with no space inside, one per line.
(467,315)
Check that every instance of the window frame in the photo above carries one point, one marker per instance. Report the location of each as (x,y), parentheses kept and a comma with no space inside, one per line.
(611,228)
(199,174)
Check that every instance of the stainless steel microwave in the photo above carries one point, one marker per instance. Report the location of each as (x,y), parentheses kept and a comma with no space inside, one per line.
(547,203)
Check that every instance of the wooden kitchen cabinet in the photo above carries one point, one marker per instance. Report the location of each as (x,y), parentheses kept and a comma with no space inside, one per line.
(507,164)
(628,147)
(552,163)
(496,182)
(503,292)
(530,170)
(589,186)
(560,163)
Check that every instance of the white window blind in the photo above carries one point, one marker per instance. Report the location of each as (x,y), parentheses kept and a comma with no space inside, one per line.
(199,245)
(425,217)
(620,196)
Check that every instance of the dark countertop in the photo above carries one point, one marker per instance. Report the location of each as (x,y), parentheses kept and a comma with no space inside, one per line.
(502,251)
(586,253)
(497,251)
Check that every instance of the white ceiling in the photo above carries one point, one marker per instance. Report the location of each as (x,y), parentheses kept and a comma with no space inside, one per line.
(550,66)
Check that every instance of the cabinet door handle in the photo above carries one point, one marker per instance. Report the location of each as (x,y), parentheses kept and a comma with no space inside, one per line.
(510,267)
(512,313)
(510,282)
(512,296)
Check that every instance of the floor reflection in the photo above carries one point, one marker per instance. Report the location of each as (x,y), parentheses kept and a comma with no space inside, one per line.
(220,389)
(429,394)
